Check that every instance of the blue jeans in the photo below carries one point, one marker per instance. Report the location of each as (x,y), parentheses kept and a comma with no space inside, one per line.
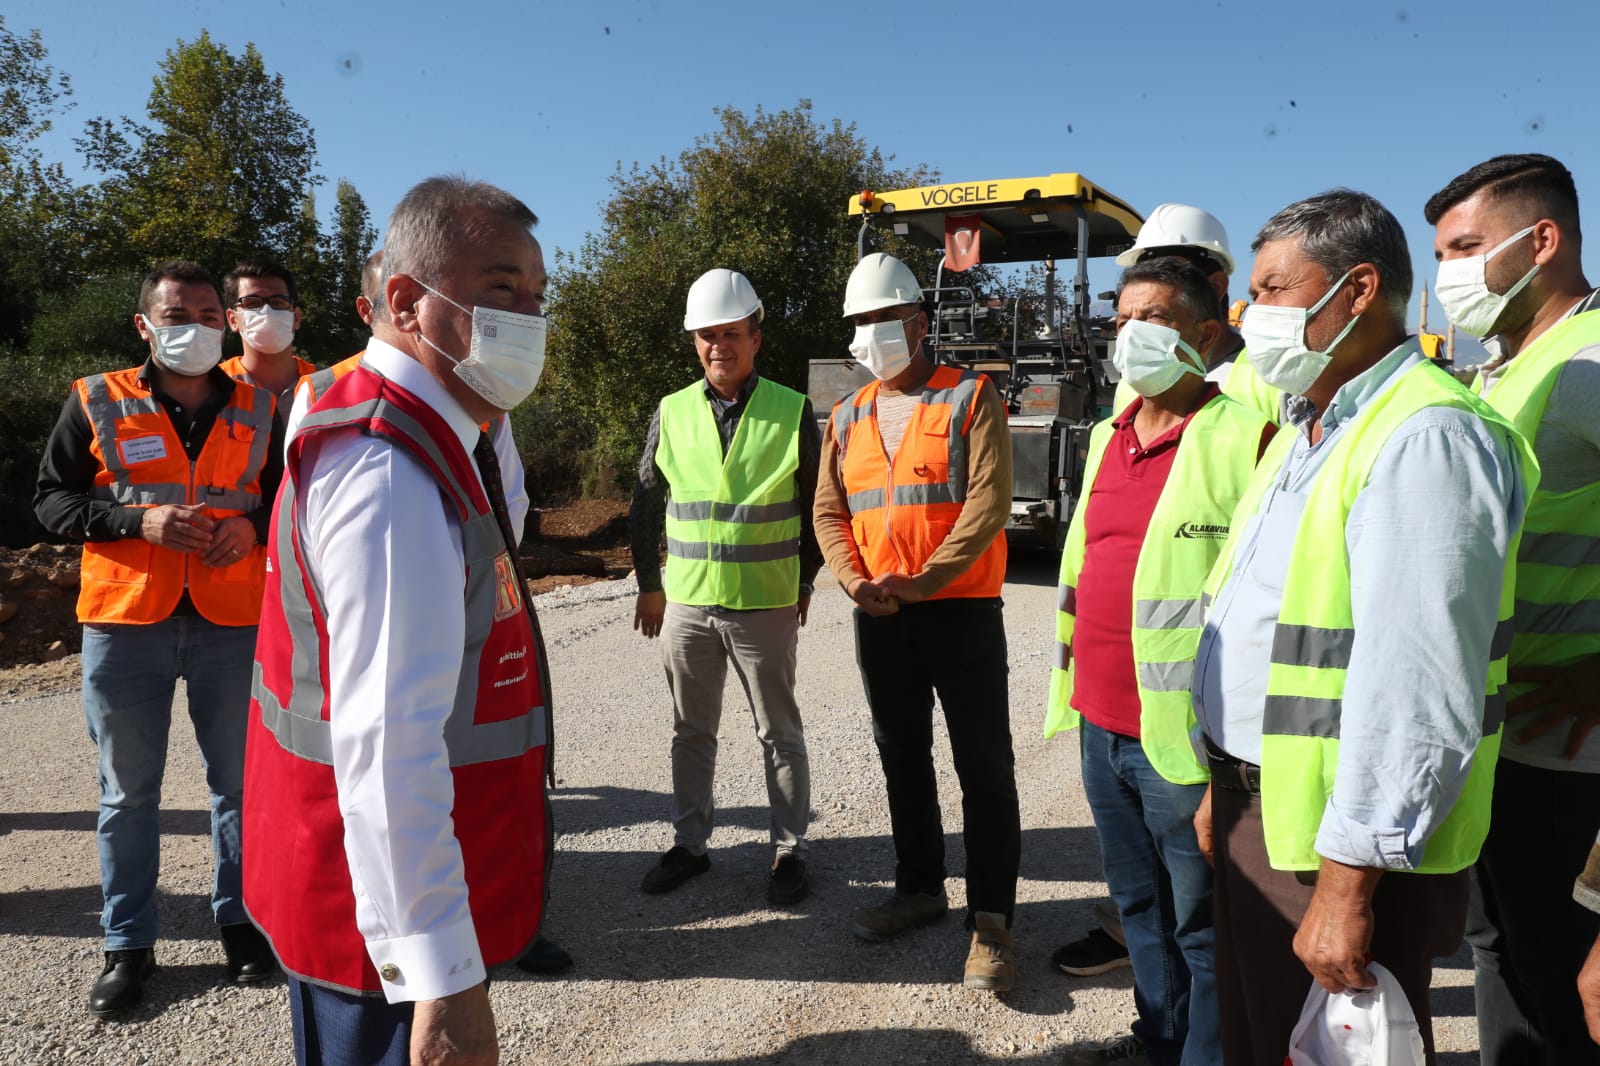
(129,675)
(1162,887)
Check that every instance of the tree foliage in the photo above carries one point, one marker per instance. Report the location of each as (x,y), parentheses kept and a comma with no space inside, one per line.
(765,194)
(219,171)
(36,200)
(220,168)
(327,269)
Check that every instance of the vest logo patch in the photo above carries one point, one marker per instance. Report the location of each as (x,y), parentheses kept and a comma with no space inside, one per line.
(1200,531)
(142,450)
(507,589)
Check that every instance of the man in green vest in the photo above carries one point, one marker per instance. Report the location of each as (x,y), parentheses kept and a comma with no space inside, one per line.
(1164,478)
(1200,238)
(729,474)
(1511,272)
(1347,682)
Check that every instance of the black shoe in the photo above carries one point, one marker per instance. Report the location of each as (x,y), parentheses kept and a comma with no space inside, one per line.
(545,956)
(1127,1049)
(1094,954)
(250,957)
(121,983)
(787,883)
(673,869)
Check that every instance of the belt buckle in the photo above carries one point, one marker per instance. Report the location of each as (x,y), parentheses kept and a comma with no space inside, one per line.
(1243,772)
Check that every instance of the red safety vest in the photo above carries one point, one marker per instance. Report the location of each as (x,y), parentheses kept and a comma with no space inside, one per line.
(901,512)
(296,876)
(143,464)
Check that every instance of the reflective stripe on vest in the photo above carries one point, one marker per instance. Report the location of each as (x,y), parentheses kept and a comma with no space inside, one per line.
(901,511)
(322,380)
(143,464)
(1558,567)
(1315,634)
(300,726)
(1214,464)
(732,521)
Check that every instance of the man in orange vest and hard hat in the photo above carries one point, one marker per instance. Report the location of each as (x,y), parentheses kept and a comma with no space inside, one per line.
(166,473)
(912,502)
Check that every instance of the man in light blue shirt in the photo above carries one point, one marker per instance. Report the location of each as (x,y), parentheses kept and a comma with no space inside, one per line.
(1425,540)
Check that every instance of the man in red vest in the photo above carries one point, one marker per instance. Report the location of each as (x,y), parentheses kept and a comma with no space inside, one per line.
(400,715)
(165,472)
(912,501)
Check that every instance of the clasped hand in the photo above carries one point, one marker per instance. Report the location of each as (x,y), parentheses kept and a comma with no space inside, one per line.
(883,595)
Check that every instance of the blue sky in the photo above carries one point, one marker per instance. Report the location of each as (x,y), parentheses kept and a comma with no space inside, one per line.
(1238,106)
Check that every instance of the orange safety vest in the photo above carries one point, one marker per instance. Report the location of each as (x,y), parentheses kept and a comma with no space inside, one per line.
(316,382)
(901,512)
(143,464)
(234,368)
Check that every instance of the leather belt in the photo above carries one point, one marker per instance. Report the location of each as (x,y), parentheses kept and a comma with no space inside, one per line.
(1230,772)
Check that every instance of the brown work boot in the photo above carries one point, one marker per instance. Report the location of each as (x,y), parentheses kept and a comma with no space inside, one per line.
(989,962)
(901,911)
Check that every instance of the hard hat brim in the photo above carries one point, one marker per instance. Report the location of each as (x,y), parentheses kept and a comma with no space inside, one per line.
(760,312)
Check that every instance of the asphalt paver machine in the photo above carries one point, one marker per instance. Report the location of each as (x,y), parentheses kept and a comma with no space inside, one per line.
(1055,374)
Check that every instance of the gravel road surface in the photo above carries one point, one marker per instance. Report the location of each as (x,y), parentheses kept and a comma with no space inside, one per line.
(709,973)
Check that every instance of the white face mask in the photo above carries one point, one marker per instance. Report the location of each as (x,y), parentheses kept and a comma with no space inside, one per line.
(1147,357)
(507,354)
(1463,289)
(190,349)
(882,348)
(265,329)
(1275,338)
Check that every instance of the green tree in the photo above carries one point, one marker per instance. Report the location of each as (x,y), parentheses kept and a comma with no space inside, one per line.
(37,203)
(765,194)
(219,173)
(330,280)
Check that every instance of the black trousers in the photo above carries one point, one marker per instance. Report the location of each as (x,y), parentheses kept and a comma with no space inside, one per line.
(1529,937)
(957,649)
(1261,984)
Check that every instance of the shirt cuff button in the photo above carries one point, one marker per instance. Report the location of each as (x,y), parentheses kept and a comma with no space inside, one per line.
(389,972)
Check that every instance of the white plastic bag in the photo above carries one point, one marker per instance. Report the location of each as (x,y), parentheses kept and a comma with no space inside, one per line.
(1371,1028)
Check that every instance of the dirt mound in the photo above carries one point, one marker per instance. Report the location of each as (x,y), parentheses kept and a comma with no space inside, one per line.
(38,603)
(577,543)
(570,545)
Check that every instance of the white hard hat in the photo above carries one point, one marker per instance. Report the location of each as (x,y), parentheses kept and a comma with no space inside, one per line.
(1371,1028)
(880,280)
(720,296)
(1179,225)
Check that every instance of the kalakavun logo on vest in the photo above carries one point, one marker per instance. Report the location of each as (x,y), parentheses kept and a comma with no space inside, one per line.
(1196,530)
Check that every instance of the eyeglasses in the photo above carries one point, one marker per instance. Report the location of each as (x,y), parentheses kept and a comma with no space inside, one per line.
(256,303)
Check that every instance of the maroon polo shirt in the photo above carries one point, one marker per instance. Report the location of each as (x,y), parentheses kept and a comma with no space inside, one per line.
(1121,502)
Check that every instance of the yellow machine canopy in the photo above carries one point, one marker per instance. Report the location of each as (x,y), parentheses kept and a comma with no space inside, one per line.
(1010,220)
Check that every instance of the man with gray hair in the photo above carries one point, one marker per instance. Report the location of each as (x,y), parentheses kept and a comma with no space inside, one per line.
(1348,682)
(400,713)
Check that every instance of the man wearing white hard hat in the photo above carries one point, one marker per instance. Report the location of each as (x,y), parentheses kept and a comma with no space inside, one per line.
(1199,236)
(912,503)
(728,474)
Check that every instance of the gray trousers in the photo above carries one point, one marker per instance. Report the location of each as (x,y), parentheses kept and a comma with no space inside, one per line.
(696,647)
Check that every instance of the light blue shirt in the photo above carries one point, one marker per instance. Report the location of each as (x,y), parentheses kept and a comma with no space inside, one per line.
(1426,540)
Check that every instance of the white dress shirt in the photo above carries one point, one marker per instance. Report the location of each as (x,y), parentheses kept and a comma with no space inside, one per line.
(512,475)
(385,550)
